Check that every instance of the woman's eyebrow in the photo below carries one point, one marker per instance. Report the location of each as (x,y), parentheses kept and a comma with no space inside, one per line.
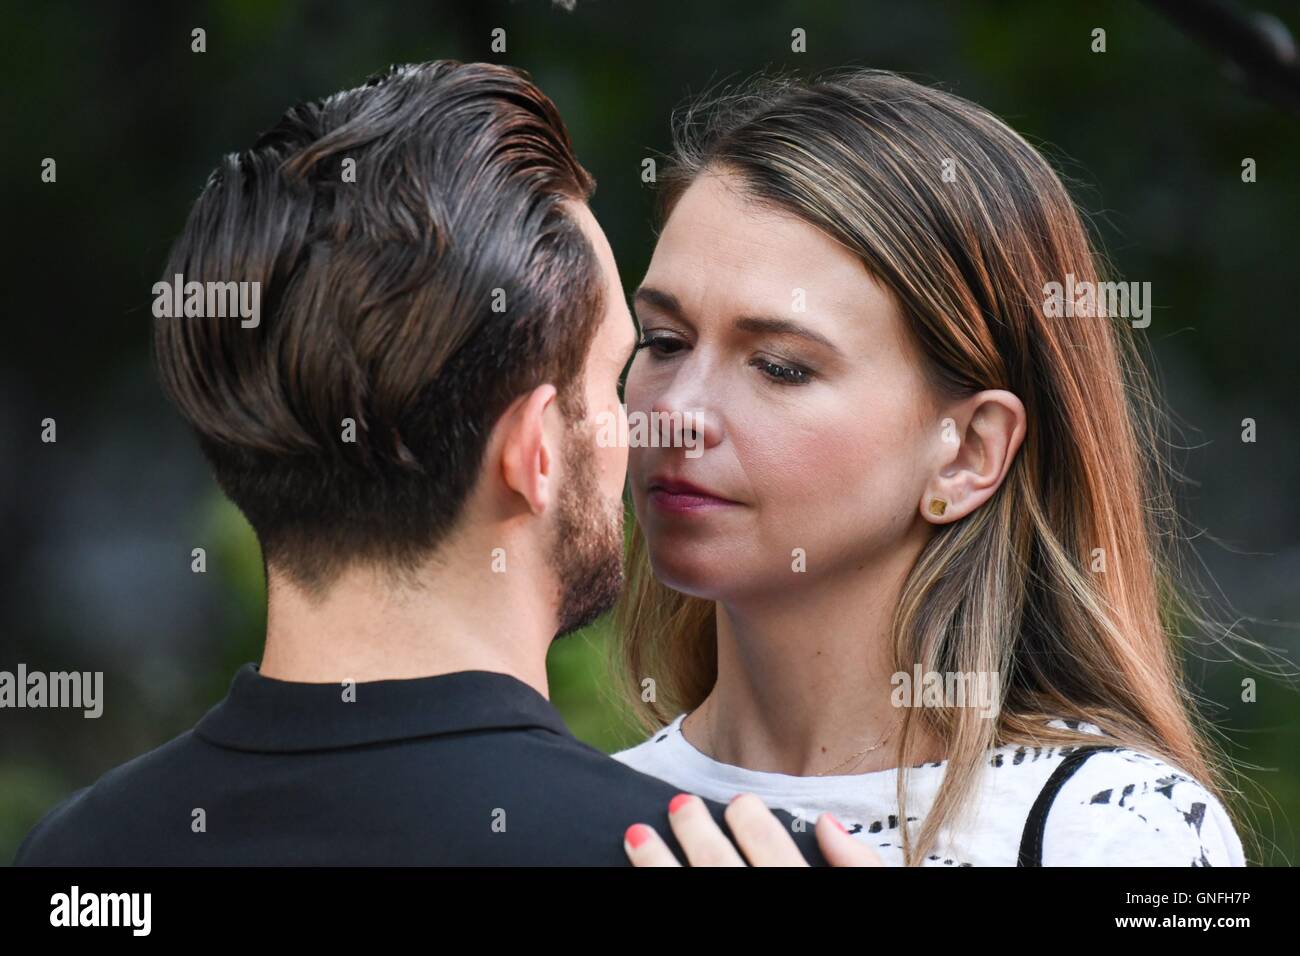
(766,326)
(663,301)
(667,302)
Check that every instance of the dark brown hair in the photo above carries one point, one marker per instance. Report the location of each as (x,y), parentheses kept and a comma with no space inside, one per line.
(377,303)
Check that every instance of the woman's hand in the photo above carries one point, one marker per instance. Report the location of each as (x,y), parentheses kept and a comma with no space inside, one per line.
(759,834)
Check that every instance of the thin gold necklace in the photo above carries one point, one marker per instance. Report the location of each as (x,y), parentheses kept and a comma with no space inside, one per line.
(860,754)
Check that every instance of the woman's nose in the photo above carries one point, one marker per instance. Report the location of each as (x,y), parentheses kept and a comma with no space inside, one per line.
(683,417)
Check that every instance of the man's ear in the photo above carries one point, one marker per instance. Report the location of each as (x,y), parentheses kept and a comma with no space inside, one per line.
(979,438)
(527,461)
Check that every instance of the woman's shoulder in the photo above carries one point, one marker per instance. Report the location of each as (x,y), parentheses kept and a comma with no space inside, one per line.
(651,753)
(1124,807)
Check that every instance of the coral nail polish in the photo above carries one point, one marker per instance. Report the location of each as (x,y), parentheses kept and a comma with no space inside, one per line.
(636,834)
(678,802)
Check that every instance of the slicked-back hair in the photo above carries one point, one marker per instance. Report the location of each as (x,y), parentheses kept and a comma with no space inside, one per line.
(381,303)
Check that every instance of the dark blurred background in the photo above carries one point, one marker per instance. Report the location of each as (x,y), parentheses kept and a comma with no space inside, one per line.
(98,527)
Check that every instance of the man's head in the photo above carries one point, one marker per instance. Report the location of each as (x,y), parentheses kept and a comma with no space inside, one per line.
(427,269)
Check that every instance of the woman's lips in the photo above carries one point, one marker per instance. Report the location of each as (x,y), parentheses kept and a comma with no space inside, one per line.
(682,497)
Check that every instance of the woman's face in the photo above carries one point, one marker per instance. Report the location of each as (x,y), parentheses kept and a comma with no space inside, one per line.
(815,422)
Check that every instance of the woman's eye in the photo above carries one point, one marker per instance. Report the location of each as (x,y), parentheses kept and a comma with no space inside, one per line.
(660,344)
(782,374)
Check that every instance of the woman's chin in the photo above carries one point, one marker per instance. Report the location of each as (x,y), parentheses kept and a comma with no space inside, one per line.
(691,575)
(709,577)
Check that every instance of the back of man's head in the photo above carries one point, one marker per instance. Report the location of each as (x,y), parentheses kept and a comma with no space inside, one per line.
(417,271)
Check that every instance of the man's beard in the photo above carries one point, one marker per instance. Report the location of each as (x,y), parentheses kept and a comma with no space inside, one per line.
(587,551)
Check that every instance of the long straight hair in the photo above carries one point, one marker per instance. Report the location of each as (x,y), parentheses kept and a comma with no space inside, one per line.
(1065,582)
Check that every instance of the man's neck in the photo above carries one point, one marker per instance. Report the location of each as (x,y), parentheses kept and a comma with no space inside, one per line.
(367,627)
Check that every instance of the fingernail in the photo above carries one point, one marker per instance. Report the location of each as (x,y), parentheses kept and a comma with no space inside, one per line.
(836,822)
(678,802)
(636,834)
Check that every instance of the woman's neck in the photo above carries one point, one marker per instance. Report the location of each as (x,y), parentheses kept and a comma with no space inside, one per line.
(804,679)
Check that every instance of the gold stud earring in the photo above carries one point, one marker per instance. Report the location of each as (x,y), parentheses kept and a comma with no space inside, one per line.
(938,506)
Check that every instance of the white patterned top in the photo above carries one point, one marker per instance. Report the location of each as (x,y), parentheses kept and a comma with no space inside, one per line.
(1120,808)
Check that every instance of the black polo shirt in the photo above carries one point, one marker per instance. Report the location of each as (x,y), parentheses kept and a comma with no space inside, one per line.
(471,768)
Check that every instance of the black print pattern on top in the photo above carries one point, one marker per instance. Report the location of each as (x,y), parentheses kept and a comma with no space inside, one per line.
(1162,797)
(1120,808)
(999,759)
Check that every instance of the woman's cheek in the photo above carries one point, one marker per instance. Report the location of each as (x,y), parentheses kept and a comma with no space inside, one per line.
(793,449)
(826,472)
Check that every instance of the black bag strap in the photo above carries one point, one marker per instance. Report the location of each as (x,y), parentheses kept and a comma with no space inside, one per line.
(1031,841)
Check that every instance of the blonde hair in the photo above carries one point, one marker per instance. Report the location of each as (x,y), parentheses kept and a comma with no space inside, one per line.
(861,155)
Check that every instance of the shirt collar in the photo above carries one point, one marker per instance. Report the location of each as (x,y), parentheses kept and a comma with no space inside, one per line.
(274,716)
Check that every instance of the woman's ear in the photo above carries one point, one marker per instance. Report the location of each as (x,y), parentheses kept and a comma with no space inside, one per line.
(527,458)
(977,439)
